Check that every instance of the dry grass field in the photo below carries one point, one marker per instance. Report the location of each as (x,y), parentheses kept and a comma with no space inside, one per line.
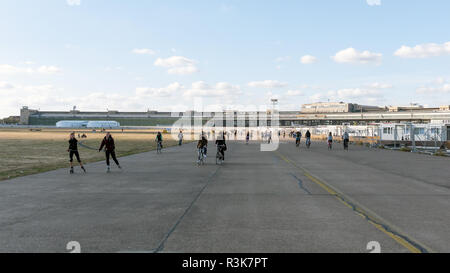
(24,152)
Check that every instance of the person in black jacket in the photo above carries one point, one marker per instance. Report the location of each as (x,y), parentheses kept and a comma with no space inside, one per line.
(108,143)
(73,151)
(221,145)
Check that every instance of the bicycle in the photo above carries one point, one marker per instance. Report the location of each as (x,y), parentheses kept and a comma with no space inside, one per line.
(330,145)
(346,144)
(297,142)
(308,143)
(159,148)
(219,155)
(201,156)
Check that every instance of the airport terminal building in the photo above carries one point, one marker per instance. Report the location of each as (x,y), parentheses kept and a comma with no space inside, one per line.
(323,113)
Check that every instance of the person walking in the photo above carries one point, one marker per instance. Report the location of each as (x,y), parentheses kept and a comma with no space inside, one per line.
(110,150)
(73,151)
(330,141)
(180,138)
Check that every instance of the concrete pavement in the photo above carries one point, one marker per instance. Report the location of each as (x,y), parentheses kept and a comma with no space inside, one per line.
(255,202)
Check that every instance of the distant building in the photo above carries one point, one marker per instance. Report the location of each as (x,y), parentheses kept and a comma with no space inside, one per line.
(87,124)
(337,107)
(323,113)
(411,107)
(444,108)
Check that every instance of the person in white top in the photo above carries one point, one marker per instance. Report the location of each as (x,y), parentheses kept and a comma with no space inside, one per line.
(180,138)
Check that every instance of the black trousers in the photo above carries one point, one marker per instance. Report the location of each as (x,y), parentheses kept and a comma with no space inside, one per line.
(77,155)
(113,155)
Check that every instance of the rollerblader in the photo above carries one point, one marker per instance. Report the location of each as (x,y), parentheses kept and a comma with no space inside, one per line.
(73,151)
(108,143)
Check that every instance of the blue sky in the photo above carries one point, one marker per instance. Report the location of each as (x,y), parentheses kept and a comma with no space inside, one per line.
(138,55)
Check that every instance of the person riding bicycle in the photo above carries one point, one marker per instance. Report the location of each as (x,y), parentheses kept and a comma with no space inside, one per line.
(159,139)
(330,140)
(203,144)
(298,138)
(221,145)
(308,137)
(346,139)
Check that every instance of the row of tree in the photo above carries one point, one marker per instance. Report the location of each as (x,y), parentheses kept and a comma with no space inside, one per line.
(10,120)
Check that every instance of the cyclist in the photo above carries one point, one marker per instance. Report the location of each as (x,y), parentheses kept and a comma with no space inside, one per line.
(108,143)
(202,145)
(73,150)
(308,138)
(298,138)
(346,139)
(221,145)
(330,141)
(159,139)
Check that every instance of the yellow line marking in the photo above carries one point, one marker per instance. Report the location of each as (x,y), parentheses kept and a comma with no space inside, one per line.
(370,217)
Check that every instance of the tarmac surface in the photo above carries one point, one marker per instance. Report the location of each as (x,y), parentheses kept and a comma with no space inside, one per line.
(290,200)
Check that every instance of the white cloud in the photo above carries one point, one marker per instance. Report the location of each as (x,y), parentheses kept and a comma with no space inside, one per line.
(308,59)
(48,69)
(51,98)
(73,2)
(373,2)
(372,94)
(178,65)
(423,51)
(351,55)
(170,90)
(439,86)
(5,85)
(293,93)
(143,51)
(183,70)
(221,89)
(354,93)
(434,90)
(174,61)
(11,70)
(267,84)
(377,85)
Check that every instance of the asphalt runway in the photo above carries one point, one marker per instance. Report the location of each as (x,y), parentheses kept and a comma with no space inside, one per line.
(290,200)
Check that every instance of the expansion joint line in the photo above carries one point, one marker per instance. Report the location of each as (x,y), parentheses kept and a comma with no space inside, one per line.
(400,237)
(166,237)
